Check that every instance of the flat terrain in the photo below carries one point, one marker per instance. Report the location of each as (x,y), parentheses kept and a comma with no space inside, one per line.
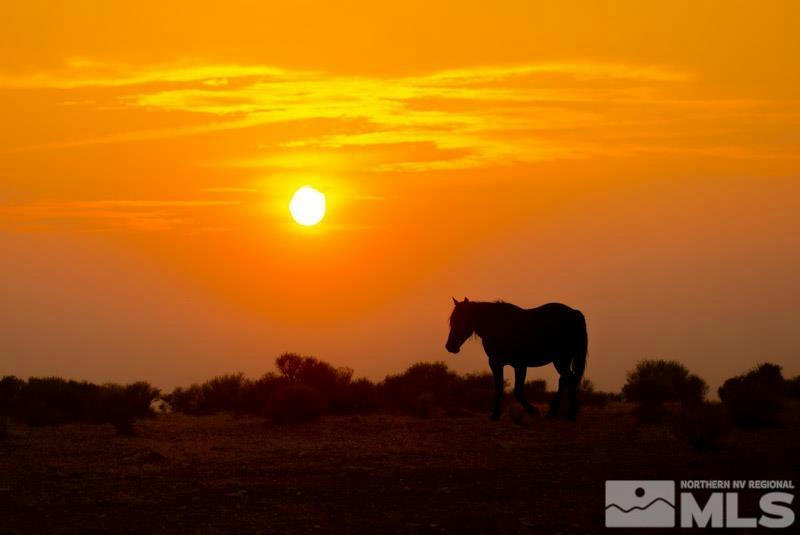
(363,474)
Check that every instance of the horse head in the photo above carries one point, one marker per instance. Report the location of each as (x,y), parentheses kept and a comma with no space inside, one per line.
(461,325)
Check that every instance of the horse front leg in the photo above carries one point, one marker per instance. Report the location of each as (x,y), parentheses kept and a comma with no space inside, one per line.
(497,374)
(520,371)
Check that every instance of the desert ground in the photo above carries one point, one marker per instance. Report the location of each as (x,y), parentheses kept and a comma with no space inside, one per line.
(380,473)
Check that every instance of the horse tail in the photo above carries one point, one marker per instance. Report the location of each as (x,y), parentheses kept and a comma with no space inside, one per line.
(582,348)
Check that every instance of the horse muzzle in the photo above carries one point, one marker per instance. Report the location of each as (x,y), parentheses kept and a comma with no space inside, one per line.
(452,349)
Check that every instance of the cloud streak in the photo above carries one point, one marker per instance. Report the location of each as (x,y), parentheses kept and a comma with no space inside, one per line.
(471,117)
(106,215)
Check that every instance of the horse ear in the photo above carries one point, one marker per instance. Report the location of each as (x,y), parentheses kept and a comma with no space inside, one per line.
(466,300)
(454,300)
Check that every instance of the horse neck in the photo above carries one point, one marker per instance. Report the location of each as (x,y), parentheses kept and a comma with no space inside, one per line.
(482,318)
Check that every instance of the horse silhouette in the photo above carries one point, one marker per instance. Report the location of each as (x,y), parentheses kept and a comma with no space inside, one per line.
(523,338)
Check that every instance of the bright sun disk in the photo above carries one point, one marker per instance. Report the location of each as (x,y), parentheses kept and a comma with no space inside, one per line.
(307,206)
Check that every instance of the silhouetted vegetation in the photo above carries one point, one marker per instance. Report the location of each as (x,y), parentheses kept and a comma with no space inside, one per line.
(654,382)
(755,398)
(296,403)
(420,389)
(53,400)
(536,391)
(304,388)
(793,387)
(704,424)
(340,394)
(592,397)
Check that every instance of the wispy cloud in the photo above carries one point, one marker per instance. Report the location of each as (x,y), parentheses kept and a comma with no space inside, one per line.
(123,214)
(83,72)
(470,117)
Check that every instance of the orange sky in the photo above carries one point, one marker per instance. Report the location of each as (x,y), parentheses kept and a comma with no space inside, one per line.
(637,161)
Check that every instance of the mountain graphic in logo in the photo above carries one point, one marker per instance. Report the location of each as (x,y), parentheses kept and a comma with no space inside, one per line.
(640,504)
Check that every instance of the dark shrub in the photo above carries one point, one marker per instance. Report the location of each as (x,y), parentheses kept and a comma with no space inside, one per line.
(662,380)
(476,391)
(256,394)
(704,424)
(792,387)
(332,383)
(295,404)
(289,365)
(358,396)
(53,400)
(589,396)
(755,398)
(3,427)
(186,400)
(138,399)
(536,391)
(223,393)
(10,392)
(654,382)
(423,384)
(120,405)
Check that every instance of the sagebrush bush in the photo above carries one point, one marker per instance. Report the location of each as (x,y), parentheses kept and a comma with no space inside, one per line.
(10,393)
(657,381)
(793,387)
(432,382)
(223,393)
(704,425)
(295,403)
(53,400)
(588,395)
(654,382)
(358,396)
(755,398)
(536,391)
(186,400)
(476,391)
(256,394)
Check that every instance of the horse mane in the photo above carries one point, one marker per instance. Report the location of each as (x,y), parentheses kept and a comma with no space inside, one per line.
(492,307)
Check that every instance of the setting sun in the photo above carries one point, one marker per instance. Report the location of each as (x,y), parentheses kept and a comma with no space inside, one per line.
(307,206)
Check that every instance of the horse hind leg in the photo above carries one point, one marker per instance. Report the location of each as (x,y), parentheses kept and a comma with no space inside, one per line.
(519,390)
(563,383)
(568,379)
(556,401)
(499,384)
(572,411)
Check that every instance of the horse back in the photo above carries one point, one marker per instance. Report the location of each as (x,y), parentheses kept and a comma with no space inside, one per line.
(554,323)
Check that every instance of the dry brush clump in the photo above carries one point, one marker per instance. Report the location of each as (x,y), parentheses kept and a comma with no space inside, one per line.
(655,382)
(591,397)
(423,389)
(296,403)
(756,397)
(428,388)
(536,391)
(43,401)
(335,387)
